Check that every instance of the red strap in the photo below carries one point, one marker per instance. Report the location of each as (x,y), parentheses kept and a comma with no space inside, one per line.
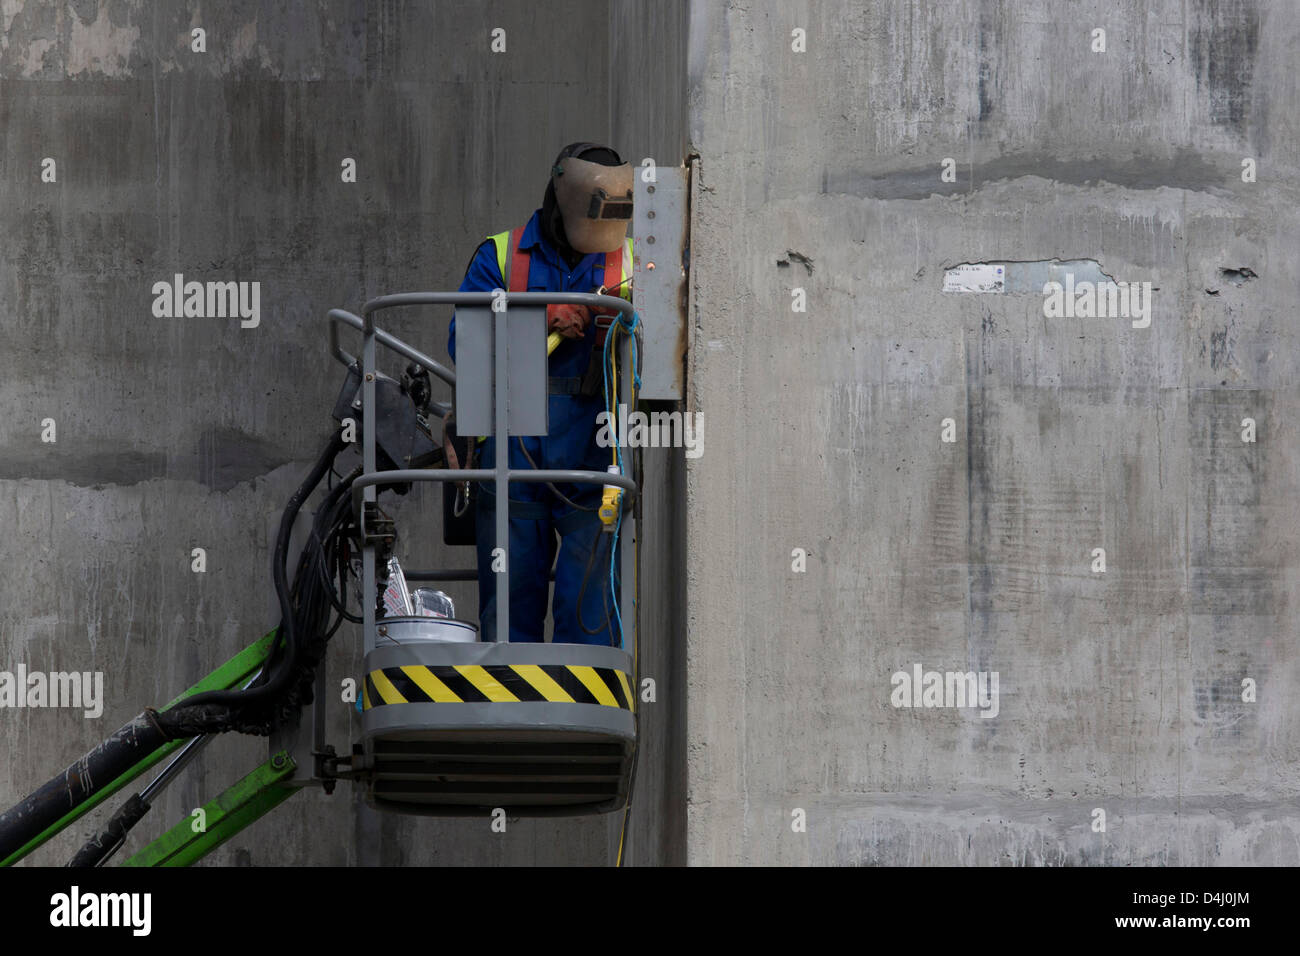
(613,268)
(519,260)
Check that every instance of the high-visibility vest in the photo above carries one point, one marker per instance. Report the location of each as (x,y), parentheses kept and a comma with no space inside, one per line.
(513,263)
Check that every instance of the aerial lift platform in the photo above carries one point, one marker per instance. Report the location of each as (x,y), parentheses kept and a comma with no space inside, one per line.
(463,726)
(451,725)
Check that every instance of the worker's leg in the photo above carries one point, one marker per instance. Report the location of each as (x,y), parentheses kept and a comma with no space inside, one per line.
(584,605)
(532,551)
(531,554)
(582,608)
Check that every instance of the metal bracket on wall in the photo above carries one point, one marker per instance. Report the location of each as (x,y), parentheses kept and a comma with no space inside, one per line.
(660,238)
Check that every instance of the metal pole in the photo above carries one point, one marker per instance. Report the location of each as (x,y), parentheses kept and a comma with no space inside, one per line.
(383,338)
(502,484)
(527,475)
(627,534)
(368,467)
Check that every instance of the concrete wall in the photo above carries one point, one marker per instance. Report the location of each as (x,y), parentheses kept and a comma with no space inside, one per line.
(1119,690)
(181,433)
(647,118)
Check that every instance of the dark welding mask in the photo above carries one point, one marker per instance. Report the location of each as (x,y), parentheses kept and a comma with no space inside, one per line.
(595,200)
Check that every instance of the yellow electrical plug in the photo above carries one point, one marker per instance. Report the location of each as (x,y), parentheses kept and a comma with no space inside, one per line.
(610,502)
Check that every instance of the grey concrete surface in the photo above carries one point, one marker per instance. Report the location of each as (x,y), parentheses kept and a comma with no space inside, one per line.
(1119,691)
(648,108)
(181,433)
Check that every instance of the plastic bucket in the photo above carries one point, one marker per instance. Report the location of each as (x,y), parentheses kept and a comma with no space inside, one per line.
(424,630)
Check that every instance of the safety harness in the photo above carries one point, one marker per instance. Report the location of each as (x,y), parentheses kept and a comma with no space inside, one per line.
(515,262)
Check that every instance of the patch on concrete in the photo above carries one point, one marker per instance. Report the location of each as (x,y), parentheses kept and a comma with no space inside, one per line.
(98,45)
(1238,276)
(1223,47)
(87,469)
(82,38)
(220,459)
(1220,350)
(792,256)
(1186,169)
(1020,278)
(225,457)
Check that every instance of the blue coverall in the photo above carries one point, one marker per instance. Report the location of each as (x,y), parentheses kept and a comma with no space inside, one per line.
(536,515)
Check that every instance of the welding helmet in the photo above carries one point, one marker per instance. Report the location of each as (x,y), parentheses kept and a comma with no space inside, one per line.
(593,192)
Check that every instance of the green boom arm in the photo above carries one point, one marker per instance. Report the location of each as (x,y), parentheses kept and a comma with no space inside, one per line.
(241,805)
(234,673)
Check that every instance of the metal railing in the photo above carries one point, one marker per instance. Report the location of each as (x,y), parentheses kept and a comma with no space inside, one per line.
(364,487)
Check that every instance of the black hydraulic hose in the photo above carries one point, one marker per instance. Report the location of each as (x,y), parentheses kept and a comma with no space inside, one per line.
(586,577)
(313,588)
(338,598)
(329,517)
(98,849)
(278,682)
(79,782)
(193,715)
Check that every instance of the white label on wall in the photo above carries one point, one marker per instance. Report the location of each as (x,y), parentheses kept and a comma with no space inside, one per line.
(977,277)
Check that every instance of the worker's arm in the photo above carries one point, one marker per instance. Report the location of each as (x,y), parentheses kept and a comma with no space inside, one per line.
(482,275)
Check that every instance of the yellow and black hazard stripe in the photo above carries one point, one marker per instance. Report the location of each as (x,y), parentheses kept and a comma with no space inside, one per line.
(499,683)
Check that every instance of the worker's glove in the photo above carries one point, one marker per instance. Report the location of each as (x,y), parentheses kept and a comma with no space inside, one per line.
(570,321)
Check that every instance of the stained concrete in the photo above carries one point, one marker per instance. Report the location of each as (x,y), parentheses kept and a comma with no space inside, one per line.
(174,434)
(1119,691)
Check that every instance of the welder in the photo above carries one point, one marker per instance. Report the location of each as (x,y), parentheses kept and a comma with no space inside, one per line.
(577,242)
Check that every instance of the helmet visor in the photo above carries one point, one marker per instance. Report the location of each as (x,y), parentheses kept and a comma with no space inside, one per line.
(595,202)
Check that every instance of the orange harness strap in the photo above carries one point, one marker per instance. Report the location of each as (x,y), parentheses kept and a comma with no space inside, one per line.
(519,261)
(613,267)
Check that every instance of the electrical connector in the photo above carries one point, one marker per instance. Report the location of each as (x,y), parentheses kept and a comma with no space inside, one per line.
(610,502)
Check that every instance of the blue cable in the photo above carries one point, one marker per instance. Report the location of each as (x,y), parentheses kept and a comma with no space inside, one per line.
(613,587)
(618,452)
